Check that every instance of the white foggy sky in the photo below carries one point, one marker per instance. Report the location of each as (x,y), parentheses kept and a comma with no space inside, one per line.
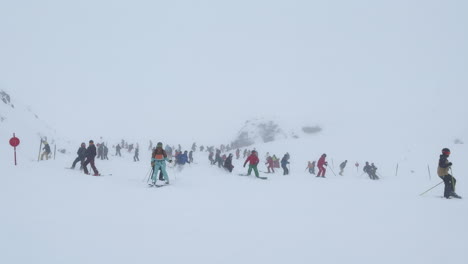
(138,67)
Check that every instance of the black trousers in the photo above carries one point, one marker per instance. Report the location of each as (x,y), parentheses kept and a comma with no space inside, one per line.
(450,183)
(285,169)
(76,161)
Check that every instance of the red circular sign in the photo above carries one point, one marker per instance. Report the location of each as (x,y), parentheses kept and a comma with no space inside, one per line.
(14,141)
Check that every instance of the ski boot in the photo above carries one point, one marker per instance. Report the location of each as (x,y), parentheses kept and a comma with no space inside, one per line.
(454,195)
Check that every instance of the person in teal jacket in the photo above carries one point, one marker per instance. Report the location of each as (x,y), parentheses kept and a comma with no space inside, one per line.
(158,162)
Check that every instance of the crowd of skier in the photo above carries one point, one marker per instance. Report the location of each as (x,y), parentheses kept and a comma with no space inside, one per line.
(223,156)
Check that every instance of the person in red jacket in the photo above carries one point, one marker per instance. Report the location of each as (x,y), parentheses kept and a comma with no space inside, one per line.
(253,159)
(270,164)
(320,164)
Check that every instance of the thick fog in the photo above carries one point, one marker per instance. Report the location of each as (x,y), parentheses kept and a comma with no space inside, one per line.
(199,69)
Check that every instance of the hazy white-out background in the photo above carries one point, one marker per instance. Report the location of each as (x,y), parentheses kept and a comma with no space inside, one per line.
(201,68)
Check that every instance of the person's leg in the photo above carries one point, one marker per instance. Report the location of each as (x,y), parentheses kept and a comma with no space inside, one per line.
(85,164)
(75,162)
(250,170)
(96,172)
(256,171)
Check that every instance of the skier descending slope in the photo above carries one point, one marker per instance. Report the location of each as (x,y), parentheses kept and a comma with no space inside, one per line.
(320,164)
(158,162)
(443,172)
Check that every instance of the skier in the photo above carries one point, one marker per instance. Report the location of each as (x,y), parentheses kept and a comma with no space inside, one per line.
(182,159)
(443,172)
(117,151)
(81,156)
(237,153)
(210,157)
(90,155)
(311,167)
(158,162)
(320,164)
(46,149)
(342,166)
(202,148)
(150,147)
(270,164)
(284,164)
(218,158)
(169,151)
(276,162)
(191,156)
(245,154)
(194,147)
(367,169)
(137,152)
(253,163)
(106,151)
(374,171)
(228,163)
(100,151)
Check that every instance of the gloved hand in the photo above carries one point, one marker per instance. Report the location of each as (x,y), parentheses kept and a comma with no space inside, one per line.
(449,164)
(244,165)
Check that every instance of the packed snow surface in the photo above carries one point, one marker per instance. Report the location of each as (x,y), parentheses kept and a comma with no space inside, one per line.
(55,215)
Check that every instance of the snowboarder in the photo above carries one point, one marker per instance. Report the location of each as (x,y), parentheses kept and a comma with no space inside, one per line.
(311,167)
(90,155)
(253,163)
(137,152)
(81,156)
(228,163)
(270,164)
(342,166)
(443,172)
(46,152)
(284,164)
(158,162)
(321,166)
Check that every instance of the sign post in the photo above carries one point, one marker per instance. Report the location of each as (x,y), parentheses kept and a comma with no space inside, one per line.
(14,142)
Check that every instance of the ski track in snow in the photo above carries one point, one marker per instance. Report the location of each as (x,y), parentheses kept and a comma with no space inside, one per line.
(55,215)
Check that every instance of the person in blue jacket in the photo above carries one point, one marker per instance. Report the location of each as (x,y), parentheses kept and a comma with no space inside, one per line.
(183,158)
(284,164)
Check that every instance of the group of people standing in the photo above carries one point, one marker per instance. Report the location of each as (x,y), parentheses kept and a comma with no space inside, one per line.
(86,156)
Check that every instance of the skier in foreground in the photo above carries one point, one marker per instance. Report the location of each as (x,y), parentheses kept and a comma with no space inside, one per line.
(158,162)
(90,155)
(443,172)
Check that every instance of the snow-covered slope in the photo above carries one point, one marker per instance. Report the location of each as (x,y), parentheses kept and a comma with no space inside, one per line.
(55,215)
(28,127)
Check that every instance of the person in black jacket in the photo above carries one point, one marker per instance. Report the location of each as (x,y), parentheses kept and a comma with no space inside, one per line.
(284,164)
(81,156)
(46,149)
(443,172)
(90,155)
(228,163)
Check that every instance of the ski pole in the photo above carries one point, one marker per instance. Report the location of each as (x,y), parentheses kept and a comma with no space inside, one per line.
(332,171)
(150,172)
(431,188)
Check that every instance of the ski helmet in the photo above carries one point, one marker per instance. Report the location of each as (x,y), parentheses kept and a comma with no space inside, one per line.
(159,144)
(446,151)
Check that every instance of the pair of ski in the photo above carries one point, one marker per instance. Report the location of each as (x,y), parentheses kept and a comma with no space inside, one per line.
(109,174)
(261,178)
(157,185)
